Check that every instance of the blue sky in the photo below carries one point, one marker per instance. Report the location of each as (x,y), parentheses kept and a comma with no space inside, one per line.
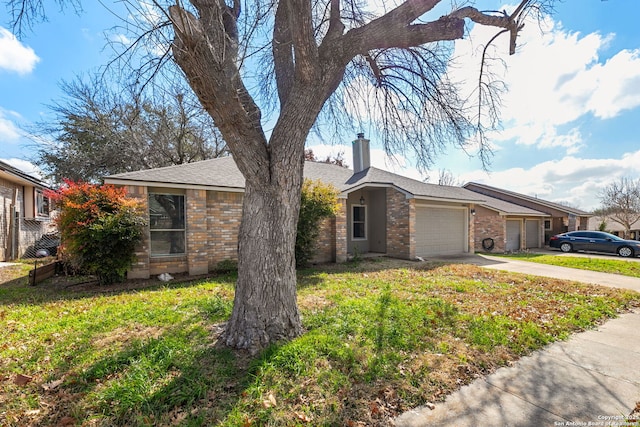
(571,118)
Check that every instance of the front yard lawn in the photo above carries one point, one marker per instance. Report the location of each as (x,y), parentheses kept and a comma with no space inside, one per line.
(381,337)
(615,266)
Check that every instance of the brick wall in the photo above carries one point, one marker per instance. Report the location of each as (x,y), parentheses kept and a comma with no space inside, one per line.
(489,224)
(170,264)
(197,233)
(341,232)
(326,242)
(224,212)
(400,225)
(471,232)
(213,221)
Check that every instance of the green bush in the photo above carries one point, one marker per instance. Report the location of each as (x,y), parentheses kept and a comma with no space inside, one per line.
(318,201)
(99,227)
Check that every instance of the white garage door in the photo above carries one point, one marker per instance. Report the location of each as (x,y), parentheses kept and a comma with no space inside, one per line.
(513,235)
(440,231)
(533,233)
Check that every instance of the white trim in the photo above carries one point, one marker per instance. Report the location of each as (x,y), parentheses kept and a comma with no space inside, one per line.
(504,213)
(376,185)
(440,199)
(427,205)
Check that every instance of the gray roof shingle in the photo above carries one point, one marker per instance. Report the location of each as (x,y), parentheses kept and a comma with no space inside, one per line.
(508,208)
(223,173)
(480,187)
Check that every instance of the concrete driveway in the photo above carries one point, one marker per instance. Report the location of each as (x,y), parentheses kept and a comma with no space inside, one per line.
(592,379)
(544,270)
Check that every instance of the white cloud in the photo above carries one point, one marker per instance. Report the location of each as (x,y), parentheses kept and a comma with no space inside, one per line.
(618,84)
(14,56)
(555,78)
(120,38)
(9,132)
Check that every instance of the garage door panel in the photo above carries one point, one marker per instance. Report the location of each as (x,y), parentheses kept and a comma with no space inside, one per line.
(440,231)
(513,235)
(533,234)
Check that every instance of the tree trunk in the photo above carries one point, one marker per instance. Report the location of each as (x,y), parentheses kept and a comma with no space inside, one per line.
(265,308)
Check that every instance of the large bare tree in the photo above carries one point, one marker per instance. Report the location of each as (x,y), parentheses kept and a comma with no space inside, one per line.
(386,65)
(620,203)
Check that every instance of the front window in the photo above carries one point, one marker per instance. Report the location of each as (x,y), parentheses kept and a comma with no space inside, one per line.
(167,224)
(41,204)
(547,224)
(359,222)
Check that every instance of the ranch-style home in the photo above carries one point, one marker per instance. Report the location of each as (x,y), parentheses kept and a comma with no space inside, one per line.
(194,213)
(24,213)
(502,226)
(553,218)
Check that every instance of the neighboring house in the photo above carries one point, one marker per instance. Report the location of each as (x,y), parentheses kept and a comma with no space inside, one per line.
(502,226)
(613,227)
(560,218)
(24,213)
(194,214)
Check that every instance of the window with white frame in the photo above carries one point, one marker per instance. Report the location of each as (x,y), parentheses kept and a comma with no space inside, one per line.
(41,203)
(358,222)
(36,204)
(167,224)
(547,224)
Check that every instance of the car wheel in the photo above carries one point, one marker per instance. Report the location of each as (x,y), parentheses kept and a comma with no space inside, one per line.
(566,247)
(625,251)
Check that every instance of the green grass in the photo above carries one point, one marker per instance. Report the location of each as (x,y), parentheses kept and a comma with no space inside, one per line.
(381,337)
(615,266)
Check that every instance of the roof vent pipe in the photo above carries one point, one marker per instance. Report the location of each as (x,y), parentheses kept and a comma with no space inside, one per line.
(361,154)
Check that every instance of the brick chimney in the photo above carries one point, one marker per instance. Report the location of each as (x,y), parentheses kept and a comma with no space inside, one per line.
(361,155)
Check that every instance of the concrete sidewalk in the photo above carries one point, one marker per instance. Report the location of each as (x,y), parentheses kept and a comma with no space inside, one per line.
(591,379)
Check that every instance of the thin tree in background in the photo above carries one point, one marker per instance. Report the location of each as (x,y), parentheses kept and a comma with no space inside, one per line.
(98,130)
(620,203)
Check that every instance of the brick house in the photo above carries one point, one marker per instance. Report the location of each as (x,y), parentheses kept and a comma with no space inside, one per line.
(502,226)
(194,214)
(24,213)
(557,218)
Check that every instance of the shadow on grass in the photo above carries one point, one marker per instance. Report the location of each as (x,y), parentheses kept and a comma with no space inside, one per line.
(176,377)
(67,288)
(61,288)
(314,276)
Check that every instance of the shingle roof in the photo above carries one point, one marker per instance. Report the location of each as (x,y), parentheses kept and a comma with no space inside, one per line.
(507,208)
(16,174)
(541,202)
(223,173)
(417,188)
(219,172)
